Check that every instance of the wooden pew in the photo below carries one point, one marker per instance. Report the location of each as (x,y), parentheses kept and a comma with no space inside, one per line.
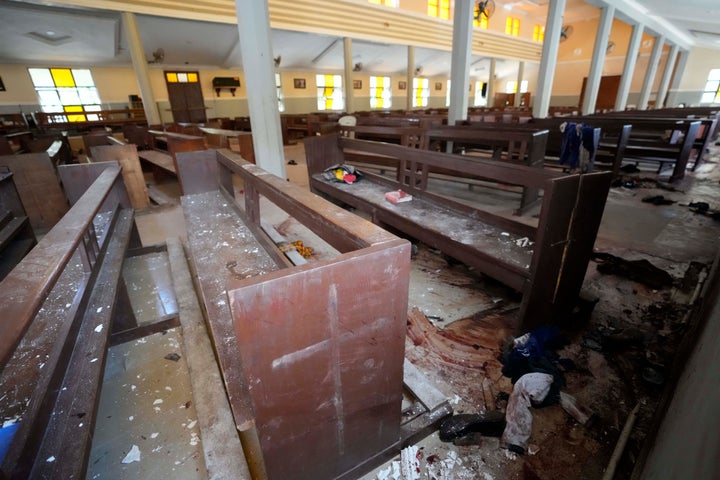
(235,140)
(502,143)
(16,233)
(36,179)
(60,304)
(321,365)
(12,122)
(100,119)
(549,273)
(127,156)
(165,145)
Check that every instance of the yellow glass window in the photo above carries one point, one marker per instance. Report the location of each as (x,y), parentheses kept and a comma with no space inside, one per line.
(171,77)
(73,108)
(62,77)
(192,77)
(439,8)
(539,33)
(512,26)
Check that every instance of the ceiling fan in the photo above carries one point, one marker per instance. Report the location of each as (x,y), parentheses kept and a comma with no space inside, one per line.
(158,56)
(358,66)
(565,32)
(484,9)
(610,47)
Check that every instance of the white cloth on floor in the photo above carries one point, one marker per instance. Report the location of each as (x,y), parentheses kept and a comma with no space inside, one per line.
(530,388)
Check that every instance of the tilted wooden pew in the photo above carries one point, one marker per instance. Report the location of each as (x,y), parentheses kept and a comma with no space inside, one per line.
(60,304)
(311,354)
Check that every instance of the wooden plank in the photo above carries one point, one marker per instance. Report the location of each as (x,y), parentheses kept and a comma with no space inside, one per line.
(224,457)
(313,358)
(127,157)
(39,188)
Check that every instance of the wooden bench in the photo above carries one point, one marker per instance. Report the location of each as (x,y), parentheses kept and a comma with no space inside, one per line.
(16,233)
(165,145)
(60,304)
(311,354)
(12,122)
(546,263)
(525,147)
(645,126)
(238,141)
(35,176)
(100,119)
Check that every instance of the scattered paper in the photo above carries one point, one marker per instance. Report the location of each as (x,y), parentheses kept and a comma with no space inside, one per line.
(133,455)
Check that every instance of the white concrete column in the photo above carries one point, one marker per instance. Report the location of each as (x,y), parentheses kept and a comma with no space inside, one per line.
(521,74)
(598,60)
(672,100)
(347,78)
(461,53)
(410,76)
(257,58)
(491,84)
(546,73)
(650,72)
(142,71)
(667,75)
(629,68)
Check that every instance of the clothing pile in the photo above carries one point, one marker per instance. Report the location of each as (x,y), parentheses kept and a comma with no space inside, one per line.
(342,173)
(577,149)
(532,365)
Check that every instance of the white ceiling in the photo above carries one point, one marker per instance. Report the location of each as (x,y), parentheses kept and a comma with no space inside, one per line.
(35,34)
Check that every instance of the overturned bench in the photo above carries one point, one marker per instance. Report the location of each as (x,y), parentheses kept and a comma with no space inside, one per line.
(546,263)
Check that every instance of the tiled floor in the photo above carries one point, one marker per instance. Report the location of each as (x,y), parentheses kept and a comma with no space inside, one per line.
(165,433)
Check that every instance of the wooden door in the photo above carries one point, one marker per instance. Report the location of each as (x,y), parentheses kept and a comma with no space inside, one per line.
(186,98)
(607,93)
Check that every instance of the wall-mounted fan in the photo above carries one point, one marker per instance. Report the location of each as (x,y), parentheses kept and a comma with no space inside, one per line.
(484,9)
(277,61)
(358,66)
(610,47)
(565,32)
(158,56)
(418,70)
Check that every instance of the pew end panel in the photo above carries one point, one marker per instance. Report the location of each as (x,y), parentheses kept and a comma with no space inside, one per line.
(345,315)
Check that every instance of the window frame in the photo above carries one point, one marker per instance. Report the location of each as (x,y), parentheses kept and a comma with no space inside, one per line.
(336,100)
(711,91)
(74,89)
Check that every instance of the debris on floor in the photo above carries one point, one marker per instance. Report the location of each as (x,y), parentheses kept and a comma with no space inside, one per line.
(638,270)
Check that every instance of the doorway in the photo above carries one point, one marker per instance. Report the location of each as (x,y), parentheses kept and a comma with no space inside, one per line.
(186,98)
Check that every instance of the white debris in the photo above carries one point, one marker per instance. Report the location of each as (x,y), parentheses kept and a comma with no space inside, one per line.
(487,476)
(50,459)
(131,418)
(11,421)
(93,360)
(169,389)
(99,328)
(132,387)
(157,401)
(409,463)
(393,471)
(133,455)
(456,399)
(505,234)
(154,435)
(99,310)
(191,424)
(194,439)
